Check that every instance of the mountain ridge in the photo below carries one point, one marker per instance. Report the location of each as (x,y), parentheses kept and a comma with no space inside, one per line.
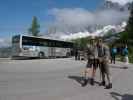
(103,30)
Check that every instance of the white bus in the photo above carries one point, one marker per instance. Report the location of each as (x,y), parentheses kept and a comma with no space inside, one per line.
(30,46)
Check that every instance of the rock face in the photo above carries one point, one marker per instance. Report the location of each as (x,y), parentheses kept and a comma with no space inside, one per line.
(108,5)
(115,6)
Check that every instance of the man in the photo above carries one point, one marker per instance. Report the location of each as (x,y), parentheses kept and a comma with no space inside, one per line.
(76,54)
(104,55)
(113,54)
(92,64)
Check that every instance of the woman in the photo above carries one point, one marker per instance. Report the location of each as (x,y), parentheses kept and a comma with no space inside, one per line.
(92,63)
(125,53)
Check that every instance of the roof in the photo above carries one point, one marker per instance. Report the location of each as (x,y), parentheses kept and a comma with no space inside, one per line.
(46,38)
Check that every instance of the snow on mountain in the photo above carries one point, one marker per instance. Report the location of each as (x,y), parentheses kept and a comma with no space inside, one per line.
(77,35)
(120,2)
(100,32)
(112,28)
(117,5)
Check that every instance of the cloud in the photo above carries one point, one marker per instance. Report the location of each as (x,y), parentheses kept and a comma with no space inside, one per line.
(121,2)
(78,19)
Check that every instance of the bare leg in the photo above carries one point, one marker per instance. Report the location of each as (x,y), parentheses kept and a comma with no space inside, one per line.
(85,77)
(95,65)
(93,72)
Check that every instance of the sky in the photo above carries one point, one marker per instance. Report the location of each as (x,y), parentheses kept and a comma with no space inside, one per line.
(16,15)
(62,15)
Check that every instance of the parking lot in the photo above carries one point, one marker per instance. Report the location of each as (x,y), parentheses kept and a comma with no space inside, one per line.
(58,79)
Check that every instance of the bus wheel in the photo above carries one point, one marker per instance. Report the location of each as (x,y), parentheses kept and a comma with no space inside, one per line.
(41,55)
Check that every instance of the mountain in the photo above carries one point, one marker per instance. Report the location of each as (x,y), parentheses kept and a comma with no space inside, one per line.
(115,6)
(105,31)
(109,5)
(99,30)
(113,29)
(112,19)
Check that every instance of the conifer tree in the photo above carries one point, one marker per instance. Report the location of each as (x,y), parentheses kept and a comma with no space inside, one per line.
(129,27)
(34,29)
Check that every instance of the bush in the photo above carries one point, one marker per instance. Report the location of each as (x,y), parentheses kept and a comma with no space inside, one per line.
(131,58)
(131,54)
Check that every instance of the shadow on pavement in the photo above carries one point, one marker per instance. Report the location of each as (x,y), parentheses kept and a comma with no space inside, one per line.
(117,96)
(80,79)
(119,67)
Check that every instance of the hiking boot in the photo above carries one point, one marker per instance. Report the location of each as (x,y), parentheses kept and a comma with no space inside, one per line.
(92,81)
(85,81)
(109,86)
(102,83)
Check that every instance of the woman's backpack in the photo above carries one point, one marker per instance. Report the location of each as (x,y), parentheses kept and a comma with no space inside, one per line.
(125,51)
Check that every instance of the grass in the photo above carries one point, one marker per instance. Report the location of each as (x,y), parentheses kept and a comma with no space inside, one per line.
(131,57)
(121,58)
(131,54)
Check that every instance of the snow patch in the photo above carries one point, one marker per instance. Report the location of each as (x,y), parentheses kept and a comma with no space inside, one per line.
(113,28)
(121,2)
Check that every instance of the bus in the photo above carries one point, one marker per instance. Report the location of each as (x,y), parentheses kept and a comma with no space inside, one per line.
(31,46)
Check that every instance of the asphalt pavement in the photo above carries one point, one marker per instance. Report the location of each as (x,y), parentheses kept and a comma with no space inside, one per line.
(59,79)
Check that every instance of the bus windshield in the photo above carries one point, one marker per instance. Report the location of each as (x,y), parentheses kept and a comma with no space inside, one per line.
(16,39)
